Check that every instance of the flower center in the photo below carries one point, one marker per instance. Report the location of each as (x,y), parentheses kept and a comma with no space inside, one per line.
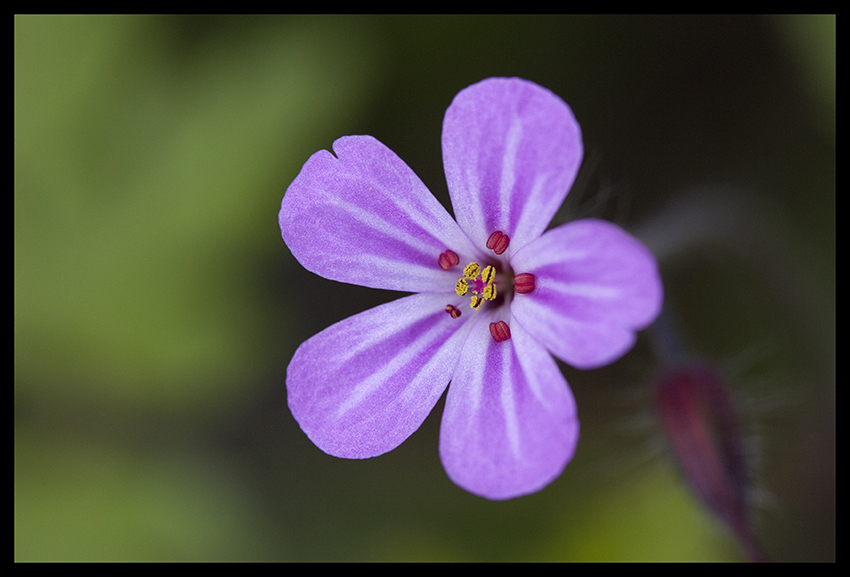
(479,281)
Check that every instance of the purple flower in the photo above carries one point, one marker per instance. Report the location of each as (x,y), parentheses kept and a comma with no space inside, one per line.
(496,296)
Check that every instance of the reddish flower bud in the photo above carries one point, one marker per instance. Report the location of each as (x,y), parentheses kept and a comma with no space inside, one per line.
(698,416)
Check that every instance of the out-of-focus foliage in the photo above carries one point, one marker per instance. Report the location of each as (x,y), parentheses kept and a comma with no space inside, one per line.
(149,155)
(144,171)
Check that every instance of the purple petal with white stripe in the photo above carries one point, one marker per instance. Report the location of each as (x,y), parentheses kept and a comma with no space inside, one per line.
(364,217)
(595,285)
(362,386)
(509,427)
(511,150)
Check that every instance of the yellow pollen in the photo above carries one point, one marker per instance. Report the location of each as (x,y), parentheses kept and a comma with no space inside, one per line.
(479,293)
(488,274)
(489,292)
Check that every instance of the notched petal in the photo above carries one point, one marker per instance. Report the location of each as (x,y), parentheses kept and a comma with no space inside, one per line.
(364,217)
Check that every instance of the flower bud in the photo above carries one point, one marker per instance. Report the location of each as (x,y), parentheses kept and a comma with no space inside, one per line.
(699,418)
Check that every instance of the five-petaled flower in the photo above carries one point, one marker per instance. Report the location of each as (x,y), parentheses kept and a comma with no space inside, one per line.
(496,296)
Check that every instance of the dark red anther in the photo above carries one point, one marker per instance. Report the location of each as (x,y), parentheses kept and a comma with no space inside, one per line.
(500,331)
(491,242)
(498,242)
(448,259)
(453,311)
(524,283)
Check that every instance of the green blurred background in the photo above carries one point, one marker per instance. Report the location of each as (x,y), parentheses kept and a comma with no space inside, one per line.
(156,306)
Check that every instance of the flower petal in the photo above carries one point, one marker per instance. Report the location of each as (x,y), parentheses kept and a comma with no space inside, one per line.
(509,427)
(595,285)
(362,386)
(364,217)
(511,151)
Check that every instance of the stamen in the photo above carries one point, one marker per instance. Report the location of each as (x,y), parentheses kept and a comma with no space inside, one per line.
(489,292)
(500,331)
(453,311)
(483,288)
(488,274)
(524,283)
(448,259)
(498,242)
(493,239)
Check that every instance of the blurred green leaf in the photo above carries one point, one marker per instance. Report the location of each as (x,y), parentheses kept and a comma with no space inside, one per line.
(143,173)
(651,517)
(79,500)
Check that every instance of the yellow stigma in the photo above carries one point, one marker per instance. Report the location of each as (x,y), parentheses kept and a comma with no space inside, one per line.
(482,289)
